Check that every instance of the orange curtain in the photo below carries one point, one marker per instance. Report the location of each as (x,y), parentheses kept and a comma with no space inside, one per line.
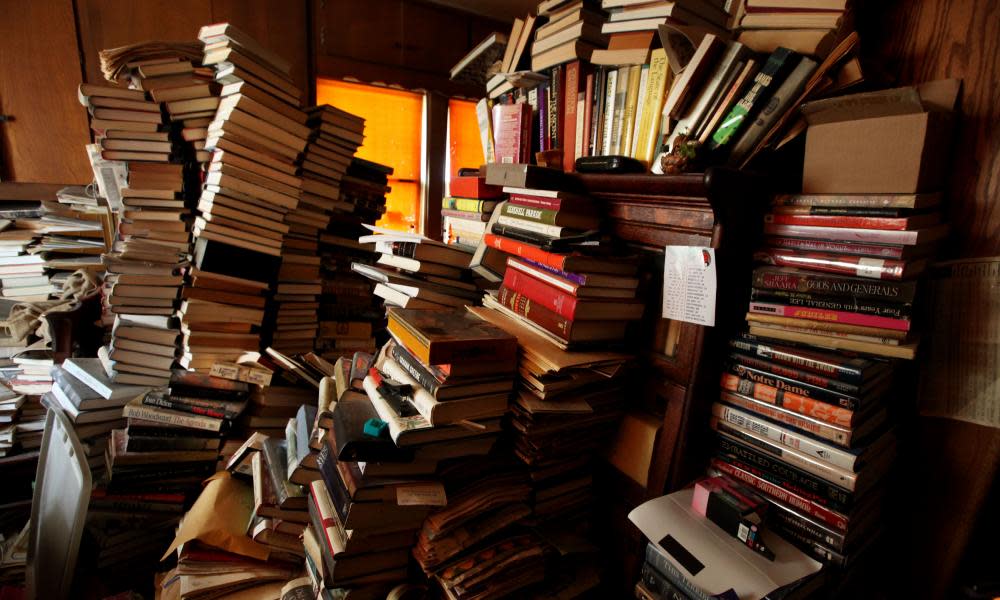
(464,146)
(393,137)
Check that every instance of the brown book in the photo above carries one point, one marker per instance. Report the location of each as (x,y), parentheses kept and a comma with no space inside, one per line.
(120,103)
(233,85)
(236,114)
(122,126)
(225,179)
(261,111)
(223,297)
(93,90)
(252,139)
(232,145)
(253,177)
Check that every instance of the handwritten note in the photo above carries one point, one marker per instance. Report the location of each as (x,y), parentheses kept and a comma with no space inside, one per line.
(689,284)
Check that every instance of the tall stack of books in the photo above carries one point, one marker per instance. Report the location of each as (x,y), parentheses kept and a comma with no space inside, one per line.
(467,210)
(349,312)
(573,32)
(256,136)
(413,271)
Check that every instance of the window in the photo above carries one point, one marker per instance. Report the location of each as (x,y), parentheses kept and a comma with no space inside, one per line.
(393,137)
(465,149)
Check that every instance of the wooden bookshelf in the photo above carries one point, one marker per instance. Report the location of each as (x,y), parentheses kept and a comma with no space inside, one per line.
(679,362)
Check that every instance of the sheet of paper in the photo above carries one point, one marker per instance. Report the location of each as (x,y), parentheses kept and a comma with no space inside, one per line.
(689,284)
(960,364)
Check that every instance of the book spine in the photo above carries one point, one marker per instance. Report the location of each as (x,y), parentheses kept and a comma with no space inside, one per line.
(618,116)
(649,123)
(840,211)
(576,278)
(484,110)
(544,318)
(814,379)
(416,370)
(586,130)
(828,473)
(786,519)
(829,316)
(610,91)
(787,437)
(808,507)
(672,574)
(561,303)
(855,249)
(523,224)
(838,264)
(597,112)
(570,132)
(524,250)
(789,400)
(171,404)
(543,117)
(630,108)
(555,96)
(535,215)
(132,411)
(811,546)
(883,223)
(880,309)
(785,475)
(833,434)
(795,358)
(792,386)
(544,276)
(845,234)
(659,585)
(897,291)
(539,202)
(640,106)
(849,200)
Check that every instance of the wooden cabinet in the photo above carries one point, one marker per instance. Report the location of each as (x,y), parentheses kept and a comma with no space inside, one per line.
(680,362)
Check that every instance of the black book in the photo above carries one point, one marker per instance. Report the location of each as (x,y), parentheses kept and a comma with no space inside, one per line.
(815,379)
(840,365)
(866,307)
(194,391)
(854,402)
(779,64)
(350,414)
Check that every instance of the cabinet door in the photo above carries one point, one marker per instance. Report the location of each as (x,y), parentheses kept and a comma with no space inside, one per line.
(45,131)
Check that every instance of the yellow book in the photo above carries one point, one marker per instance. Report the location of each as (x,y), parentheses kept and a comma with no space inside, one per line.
(628,111)
(649,122)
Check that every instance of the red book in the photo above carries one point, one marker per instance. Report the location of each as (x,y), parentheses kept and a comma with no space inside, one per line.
(536,202)
(558,301)
(571,263)
(571,90)
(588,113)
(512,132)
(854,249)
(536,313)
(858,266)
(829,316)
(474,186)
(881,223)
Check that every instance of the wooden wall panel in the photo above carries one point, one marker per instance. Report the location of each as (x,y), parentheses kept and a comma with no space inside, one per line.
(956,463)
(39,75)
(281,26)
(397,42)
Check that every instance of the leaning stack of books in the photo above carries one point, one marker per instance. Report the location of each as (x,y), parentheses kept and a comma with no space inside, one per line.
(626,16)
(349,312)
(466,211)
(416,272)
(805,26)
(573,31)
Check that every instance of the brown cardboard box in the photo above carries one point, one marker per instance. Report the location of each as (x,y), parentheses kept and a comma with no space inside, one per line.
(891,142)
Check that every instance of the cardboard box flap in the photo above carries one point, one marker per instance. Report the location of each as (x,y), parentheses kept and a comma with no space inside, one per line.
(934,96)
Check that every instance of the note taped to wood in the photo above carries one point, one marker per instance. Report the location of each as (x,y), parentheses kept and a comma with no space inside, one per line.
(961,359)
(689,284)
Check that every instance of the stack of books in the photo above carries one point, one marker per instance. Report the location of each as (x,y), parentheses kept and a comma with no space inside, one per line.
(297,297)
(280,505)
(349,312)
(809,430)
(446,377)
(840,270)
(92,402)
(293,383)
(626,16)
(466,211)
(413,271)
(806,26)
(82,229)
(574,31)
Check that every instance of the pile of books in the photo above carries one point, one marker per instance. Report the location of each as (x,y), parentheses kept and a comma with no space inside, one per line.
(466,211)
(93,403)
(292,383)
(626,16)
(413,271)
(806,26)
(840,270)
(349,312)
(574,30)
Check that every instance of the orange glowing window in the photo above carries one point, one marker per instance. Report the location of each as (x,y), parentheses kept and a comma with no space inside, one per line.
(393,137)
(464,146)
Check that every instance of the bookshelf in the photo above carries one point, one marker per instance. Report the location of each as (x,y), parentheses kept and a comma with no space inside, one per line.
(679,370)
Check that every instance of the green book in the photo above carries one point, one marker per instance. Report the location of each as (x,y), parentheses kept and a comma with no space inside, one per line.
(469,204)
(770,77)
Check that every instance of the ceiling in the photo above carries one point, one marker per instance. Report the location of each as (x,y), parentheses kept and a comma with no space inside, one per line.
(503,10)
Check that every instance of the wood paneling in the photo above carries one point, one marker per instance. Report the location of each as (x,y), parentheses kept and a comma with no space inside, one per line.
(955,463)
(39,75)
(281,26)
(397,42)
